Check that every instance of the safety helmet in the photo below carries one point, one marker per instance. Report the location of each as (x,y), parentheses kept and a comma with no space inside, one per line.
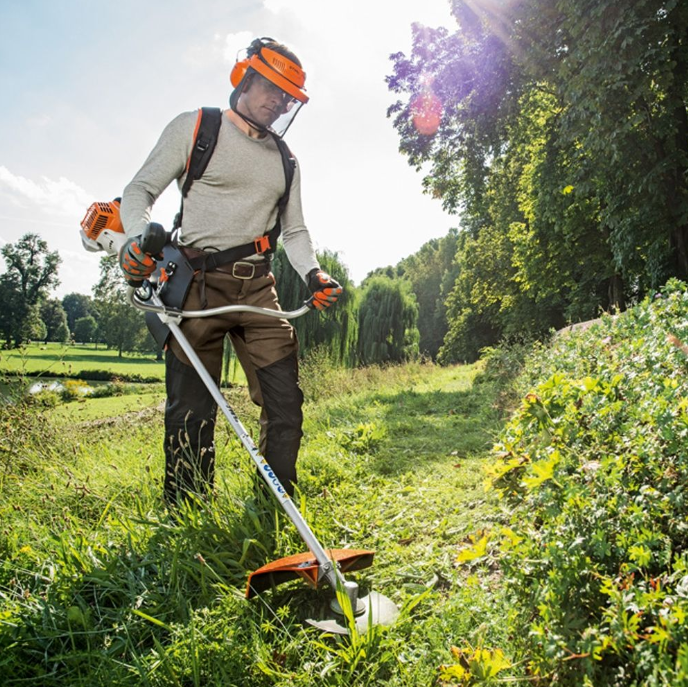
(263,63)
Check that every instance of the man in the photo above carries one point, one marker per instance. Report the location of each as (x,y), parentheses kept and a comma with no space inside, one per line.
(242,195)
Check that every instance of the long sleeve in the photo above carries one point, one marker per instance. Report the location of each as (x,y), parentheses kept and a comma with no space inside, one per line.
(165,164)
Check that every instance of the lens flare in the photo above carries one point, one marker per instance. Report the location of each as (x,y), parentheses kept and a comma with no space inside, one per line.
(426,110)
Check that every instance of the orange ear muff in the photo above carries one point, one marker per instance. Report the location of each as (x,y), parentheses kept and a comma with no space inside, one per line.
(238,72)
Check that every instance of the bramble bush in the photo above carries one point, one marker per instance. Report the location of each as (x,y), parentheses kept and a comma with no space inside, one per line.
(595,465)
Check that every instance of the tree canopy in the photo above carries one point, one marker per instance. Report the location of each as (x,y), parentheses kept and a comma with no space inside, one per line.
(31,273)
(559,132)
(120,325)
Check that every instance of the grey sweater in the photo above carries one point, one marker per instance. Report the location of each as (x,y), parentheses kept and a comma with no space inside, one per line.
(233,203)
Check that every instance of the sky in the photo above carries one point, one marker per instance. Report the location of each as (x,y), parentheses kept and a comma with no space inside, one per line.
(88,86)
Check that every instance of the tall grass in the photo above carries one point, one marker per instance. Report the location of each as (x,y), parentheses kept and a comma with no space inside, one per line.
(99,585)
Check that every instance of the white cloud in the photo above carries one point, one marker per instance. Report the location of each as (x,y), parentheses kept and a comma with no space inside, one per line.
(234,43)
(39,121)
(62,196)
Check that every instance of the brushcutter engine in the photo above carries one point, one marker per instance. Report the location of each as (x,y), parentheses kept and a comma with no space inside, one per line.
(102,230)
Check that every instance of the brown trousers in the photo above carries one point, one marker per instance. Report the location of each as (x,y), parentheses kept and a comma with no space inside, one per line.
(267,350)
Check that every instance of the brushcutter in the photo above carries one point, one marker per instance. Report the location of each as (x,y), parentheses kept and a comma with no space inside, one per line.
(318,564)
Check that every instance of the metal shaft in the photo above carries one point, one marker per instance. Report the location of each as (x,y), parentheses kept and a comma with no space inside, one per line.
(327,567)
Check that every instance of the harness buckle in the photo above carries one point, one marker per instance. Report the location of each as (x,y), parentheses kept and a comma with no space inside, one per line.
(240,270)
(262,244)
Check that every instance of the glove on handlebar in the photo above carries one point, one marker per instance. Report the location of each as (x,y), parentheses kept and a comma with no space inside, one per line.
(325,290)
(135,264)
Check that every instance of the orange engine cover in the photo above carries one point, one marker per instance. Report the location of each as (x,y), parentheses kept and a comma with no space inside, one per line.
(101,216)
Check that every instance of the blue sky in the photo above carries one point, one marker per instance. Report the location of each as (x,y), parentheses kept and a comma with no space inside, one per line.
(87,87)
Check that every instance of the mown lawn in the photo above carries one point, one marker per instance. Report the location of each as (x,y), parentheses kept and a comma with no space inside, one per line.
(100,586)
(58,360)
(92,409)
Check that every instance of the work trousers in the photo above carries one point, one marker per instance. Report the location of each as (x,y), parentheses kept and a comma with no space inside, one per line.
(267,350)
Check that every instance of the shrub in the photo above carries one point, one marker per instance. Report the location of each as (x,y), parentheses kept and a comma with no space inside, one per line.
(72,390)
(595,463)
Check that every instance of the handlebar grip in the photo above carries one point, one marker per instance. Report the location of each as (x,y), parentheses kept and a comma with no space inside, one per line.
(153,239)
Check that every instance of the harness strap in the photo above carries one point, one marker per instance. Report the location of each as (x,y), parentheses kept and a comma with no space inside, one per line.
(264,245)
(206,133)
(289,164)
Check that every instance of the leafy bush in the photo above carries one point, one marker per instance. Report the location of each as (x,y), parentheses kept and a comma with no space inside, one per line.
(595,463)
(504,362)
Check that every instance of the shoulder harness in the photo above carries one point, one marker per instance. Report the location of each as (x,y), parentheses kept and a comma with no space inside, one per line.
(206,134)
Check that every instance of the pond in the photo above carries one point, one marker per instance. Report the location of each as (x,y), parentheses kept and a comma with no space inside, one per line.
(10,387)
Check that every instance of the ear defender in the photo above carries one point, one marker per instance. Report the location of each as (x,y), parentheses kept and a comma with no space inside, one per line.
(238,72)
(240,66)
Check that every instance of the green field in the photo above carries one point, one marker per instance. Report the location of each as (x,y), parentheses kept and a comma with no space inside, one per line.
(531,529)
(90,409)
(62,360)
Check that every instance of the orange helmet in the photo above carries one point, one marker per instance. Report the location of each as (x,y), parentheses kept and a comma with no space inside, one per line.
(279,70)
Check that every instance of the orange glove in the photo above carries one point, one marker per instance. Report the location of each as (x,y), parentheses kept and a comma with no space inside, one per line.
(135,264)
(325,290)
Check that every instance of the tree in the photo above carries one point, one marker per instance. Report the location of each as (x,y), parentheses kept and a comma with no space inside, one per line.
(32,327)
(483,291)
(334,330)
(9,296)
(620,76)
(31,274)
(77,305)
(563,138)
(55,319)
(432,272)
(85,329)
(387,322)
(120,325)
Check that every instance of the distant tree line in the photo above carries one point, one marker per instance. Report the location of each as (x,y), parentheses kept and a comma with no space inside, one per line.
(30,314)
(376,323)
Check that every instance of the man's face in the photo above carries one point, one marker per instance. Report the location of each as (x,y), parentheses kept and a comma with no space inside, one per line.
(263,102)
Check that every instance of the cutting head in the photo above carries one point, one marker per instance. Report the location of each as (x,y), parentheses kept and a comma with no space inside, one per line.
(371,609)
(348,610)
(305,566)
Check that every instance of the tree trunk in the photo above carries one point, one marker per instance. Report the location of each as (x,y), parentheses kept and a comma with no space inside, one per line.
(679,178)
(615,293)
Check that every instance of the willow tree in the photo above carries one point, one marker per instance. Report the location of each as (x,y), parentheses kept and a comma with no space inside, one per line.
(387,322)
(335,329)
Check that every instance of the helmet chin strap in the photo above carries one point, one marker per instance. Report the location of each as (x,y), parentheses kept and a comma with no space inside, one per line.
(233,101)
(251,123)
